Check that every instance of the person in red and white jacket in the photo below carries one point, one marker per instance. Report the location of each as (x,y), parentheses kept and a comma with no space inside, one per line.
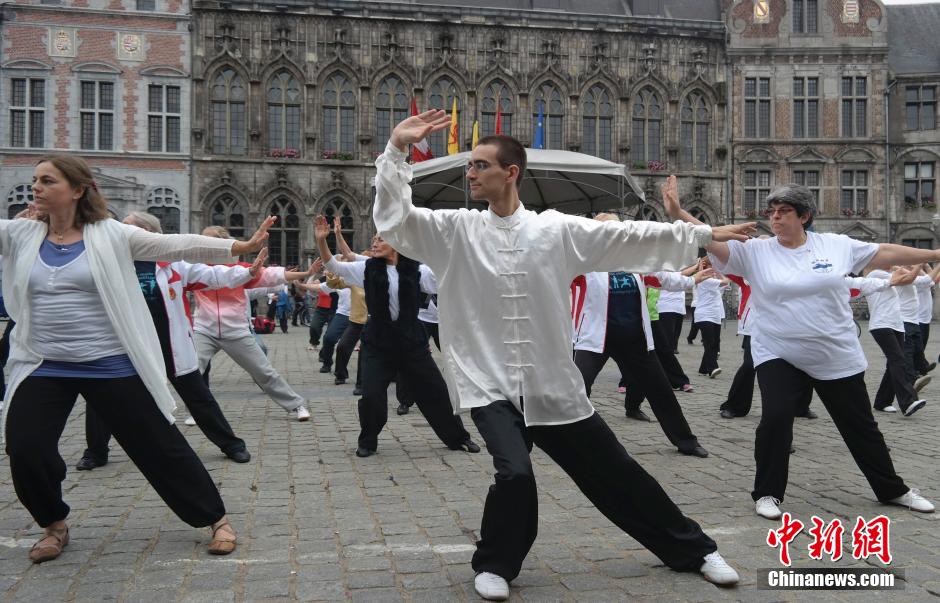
(611,320)
(165,285)
(220,325)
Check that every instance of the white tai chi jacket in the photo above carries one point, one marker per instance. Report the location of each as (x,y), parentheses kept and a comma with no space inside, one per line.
(504,298)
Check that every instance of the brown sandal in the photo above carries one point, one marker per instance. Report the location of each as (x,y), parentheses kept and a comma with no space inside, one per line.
(49,546)
(225,544)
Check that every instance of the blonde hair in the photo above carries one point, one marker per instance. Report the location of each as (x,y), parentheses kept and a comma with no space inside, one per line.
(146,221)
(92,206)
(219,232)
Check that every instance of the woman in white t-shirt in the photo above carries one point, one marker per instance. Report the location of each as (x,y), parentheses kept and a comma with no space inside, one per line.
(708,314)
(805,338)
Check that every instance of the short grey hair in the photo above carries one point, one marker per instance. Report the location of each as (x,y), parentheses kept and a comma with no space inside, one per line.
(796,196)
(146,221)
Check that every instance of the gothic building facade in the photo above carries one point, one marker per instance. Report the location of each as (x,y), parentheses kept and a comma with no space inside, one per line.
(293,101)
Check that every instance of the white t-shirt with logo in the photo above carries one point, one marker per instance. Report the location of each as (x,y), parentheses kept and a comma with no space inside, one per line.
(884,307)
(802,301)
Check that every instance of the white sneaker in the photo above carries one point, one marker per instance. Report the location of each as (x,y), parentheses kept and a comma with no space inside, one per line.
(921,382)
(302,413)
(311,348)
(914,501)
(914,407)
(714,373)
(888,408)
(492,587)
(769,507)
(717,571)
(190,420)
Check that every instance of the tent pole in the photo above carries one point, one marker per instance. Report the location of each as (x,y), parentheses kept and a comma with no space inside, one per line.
(466,192)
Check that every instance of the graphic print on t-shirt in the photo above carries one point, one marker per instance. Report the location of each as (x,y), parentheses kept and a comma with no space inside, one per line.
(822,266)
(623,308)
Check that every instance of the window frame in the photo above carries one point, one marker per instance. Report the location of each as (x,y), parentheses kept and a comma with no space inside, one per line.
(762,128)
(165,118)
(920,104)
(281,234)
(919,181)
(229,203)
(854,188)
(438,140)
(488,115)
(853,103)
(388,115)
(226,104)
(799,175)
(761,191)
(691,161)
(32,114)
(597,128)
(97,113)
(805,127)
(165,198)
(288,137)
(643,126)
(803,15)
(554,124)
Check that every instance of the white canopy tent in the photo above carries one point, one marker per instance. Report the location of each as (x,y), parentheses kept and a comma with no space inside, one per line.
(574,183)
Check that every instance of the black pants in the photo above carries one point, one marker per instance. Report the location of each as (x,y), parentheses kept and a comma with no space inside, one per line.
(667,355)
(298,310)
(647,379)
(895,381)
(672,326)
(5,355)
(711,340)
(589,452)
(433,333)
(321,317)
(200,403)
(333,333)
(379,369)
(344,349)
(37,416)
(741,393)
(911,347)
(272,311)
(693,331)
(782,386)
(921,359)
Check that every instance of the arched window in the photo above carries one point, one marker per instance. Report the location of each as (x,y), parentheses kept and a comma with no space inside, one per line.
(228,96)
(646,213)
(284,101)
(228,212)
(391,107)
(696,122)
(497,95)
(338,207)
(598,122)
(164,203)
(441,96)
(284,236)
(17,200)
(647,127)
(699,214)
(339,115)
(548,98)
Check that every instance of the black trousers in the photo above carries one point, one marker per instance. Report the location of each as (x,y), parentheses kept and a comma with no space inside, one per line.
(741,393)
(37,416)
(711,340)
(433,333)
(5,355)
(782,386)
(344,349)
(379,369)
(321,317)
(667,355)
(333,333)
(647,379)
(672,325)
(896,381)
(298,310)
(921,359)
(589,452)
(693,331)
(911,346)
(200,403)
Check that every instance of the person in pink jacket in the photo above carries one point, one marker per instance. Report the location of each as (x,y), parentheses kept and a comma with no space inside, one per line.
(220,324)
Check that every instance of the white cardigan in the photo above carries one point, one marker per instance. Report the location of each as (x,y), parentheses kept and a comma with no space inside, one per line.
(112,248)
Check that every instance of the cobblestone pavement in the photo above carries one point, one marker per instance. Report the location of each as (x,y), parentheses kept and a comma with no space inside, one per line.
(317,523)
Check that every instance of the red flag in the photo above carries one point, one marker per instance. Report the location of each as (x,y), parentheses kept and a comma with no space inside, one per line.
(421,150)
(499,121)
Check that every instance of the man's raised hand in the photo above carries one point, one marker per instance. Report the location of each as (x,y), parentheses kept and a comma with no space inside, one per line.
(258,264)
(321,228)
(670,192)
(418,127)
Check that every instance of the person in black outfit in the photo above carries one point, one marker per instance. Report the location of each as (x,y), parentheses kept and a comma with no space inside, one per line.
(394,342)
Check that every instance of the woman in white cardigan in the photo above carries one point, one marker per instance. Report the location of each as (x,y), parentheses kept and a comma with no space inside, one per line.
(70,285)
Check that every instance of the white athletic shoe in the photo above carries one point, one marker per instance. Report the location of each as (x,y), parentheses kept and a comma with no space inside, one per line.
(714,373)
(769,507)
(302,413)
(914,407)
(717,571)
(921,382)
(190,421)
(888,408)
(492,587)
(913,501)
